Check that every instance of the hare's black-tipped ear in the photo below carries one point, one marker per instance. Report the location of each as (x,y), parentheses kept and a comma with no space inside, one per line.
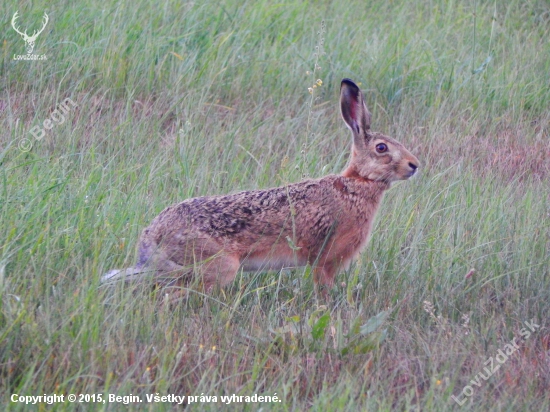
(354,111)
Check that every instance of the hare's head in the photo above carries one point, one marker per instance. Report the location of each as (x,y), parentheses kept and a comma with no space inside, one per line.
(373,156)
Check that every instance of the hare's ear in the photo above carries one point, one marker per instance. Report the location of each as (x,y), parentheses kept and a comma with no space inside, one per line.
(354,111)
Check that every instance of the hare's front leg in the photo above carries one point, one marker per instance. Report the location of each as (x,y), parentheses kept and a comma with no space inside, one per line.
(323,276)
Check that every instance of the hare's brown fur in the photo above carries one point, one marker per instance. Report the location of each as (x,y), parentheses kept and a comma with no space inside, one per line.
(323,222)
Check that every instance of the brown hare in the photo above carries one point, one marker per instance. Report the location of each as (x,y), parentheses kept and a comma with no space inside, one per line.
(322,222)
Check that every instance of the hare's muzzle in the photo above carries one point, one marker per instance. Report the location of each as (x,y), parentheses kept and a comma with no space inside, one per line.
(412,166)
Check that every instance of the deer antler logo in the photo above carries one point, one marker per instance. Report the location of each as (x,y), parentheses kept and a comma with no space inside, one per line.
(29,39)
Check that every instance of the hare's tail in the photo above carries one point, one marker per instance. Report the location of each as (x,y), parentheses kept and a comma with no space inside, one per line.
(127,274)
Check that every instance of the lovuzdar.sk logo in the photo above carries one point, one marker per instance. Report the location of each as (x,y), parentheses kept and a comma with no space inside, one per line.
(29,40)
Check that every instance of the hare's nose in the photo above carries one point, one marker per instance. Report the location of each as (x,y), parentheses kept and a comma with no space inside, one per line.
(413,166)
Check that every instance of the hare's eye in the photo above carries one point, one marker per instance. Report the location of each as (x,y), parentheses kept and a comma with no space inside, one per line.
(381,148)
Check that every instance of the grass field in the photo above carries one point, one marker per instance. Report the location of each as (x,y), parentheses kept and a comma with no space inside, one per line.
(183,99)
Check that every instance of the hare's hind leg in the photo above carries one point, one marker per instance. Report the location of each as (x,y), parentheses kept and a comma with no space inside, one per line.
(213,262)
(220,269)
(217,270)
(181,259)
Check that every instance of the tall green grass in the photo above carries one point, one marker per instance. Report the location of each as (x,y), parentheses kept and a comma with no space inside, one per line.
(179,99)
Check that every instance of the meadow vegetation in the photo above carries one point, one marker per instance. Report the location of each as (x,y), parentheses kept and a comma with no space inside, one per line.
(182,99)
